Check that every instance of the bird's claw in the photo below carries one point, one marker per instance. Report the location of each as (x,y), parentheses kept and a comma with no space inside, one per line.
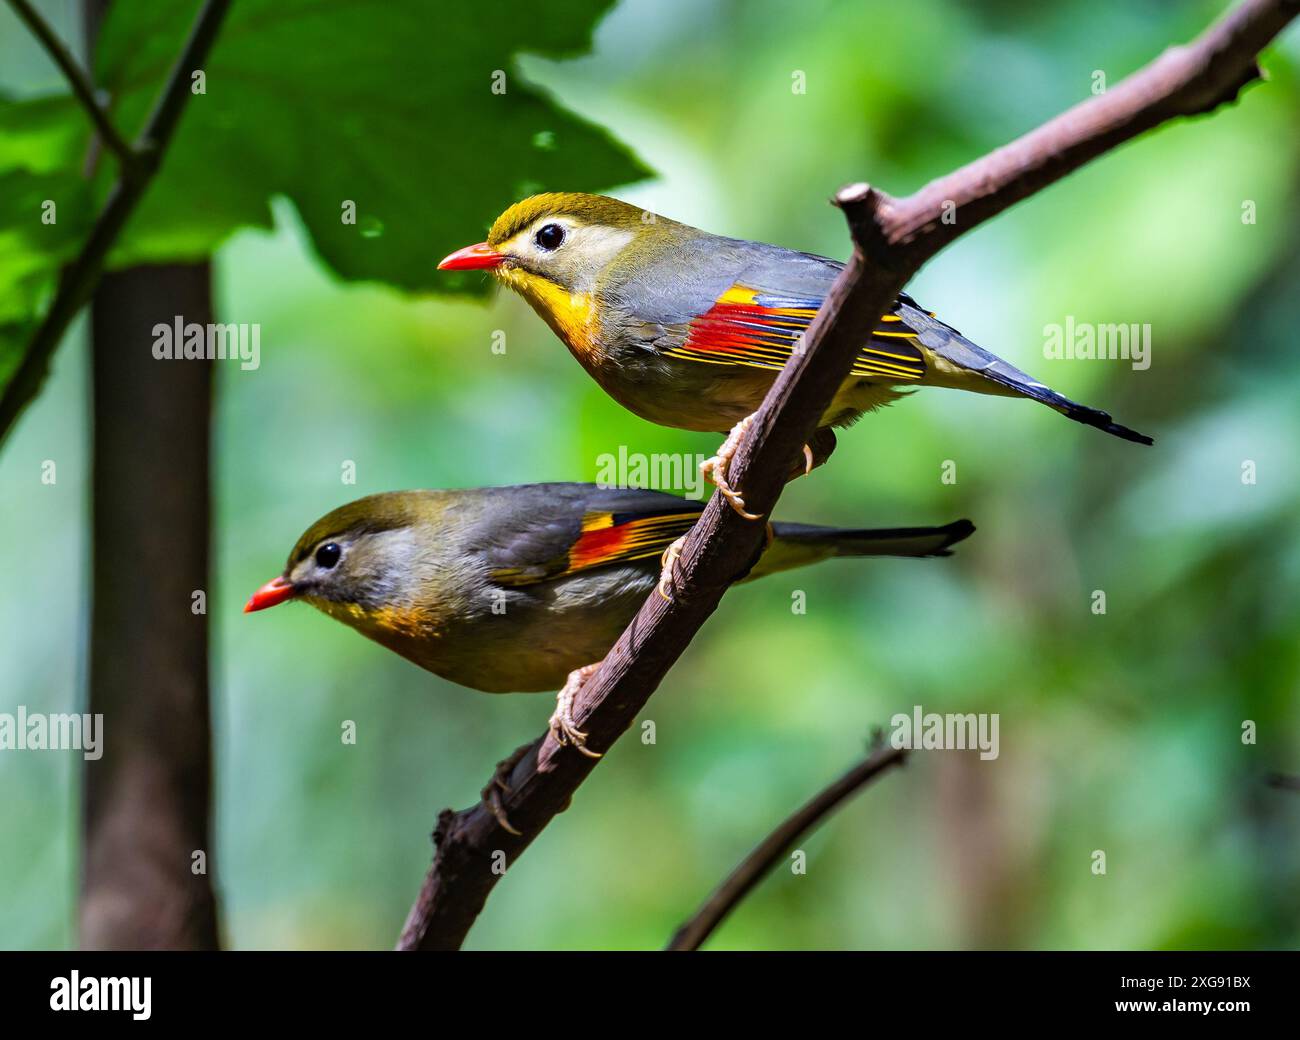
(563,728)
(668,562)
(714,469)
(668,568)
(500,785)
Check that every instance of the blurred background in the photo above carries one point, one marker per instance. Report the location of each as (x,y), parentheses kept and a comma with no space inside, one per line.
(1120,732)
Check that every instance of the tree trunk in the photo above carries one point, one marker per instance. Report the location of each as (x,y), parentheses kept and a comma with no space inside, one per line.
(147,855)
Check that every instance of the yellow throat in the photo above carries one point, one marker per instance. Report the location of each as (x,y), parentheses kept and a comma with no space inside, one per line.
(571,315)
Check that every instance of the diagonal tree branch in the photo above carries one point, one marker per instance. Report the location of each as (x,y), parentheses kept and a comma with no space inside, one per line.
(77,79)
(741,881)
(892,238)
(79,278)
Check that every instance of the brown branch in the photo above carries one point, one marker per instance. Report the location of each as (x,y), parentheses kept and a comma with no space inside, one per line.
(773,848)
(893,238)
(79,278)
(77,79)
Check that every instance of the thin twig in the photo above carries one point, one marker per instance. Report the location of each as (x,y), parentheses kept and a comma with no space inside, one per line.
(77,79)
(79,278)
(892,239)
(773,848)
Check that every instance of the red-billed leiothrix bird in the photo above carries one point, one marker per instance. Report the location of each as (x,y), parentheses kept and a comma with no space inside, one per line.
(690,329)
(524,587)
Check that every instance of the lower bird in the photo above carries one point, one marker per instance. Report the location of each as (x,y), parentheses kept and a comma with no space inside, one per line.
(690,329)
(525,587)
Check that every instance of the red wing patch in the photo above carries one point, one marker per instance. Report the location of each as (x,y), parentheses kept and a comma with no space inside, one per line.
(760,330)
(608,538)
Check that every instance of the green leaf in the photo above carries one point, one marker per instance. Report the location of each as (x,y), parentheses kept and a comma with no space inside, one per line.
(42,224)
(385,107)
(42,135)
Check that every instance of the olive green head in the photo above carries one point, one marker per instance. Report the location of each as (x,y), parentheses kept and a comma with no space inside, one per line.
(362,559)
(568,239)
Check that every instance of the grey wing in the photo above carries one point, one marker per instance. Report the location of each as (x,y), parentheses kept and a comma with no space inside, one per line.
(743,305)
(519,529)
(789,273)
(685,283)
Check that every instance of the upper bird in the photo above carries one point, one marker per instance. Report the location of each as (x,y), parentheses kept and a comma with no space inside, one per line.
(689,329)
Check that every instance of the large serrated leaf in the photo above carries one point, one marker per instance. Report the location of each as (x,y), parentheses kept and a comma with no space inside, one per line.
(389,106)
(398,129)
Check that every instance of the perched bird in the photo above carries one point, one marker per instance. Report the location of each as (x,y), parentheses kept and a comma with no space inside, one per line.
(690,329)
(524,587)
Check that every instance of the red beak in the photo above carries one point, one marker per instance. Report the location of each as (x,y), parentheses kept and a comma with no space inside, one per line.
(277,590)
(472,258)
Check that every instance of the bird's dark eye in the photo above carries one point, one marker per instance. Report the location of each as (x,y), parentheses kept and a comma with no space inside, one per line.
(549,236)
(328,555)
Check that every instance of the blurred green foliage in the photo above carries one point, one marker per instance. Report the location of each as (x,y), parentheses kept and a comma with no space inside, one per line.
(1119,732)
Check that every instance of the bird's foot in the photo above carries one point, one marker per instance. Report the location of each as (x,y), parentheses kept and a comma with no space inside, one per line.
(815,452)
(668,562)
(563,728)
(499,785)
(806,466)
(668,567)
(714,469)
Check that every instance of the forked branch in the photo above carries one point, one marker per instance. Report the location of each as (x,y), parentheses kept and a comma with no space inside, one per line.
(77,79)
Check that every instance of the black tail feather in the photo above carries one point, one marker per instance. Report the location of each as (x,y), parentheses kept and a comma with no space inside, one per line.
(1080,413)
(881,541)
(1103,421)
